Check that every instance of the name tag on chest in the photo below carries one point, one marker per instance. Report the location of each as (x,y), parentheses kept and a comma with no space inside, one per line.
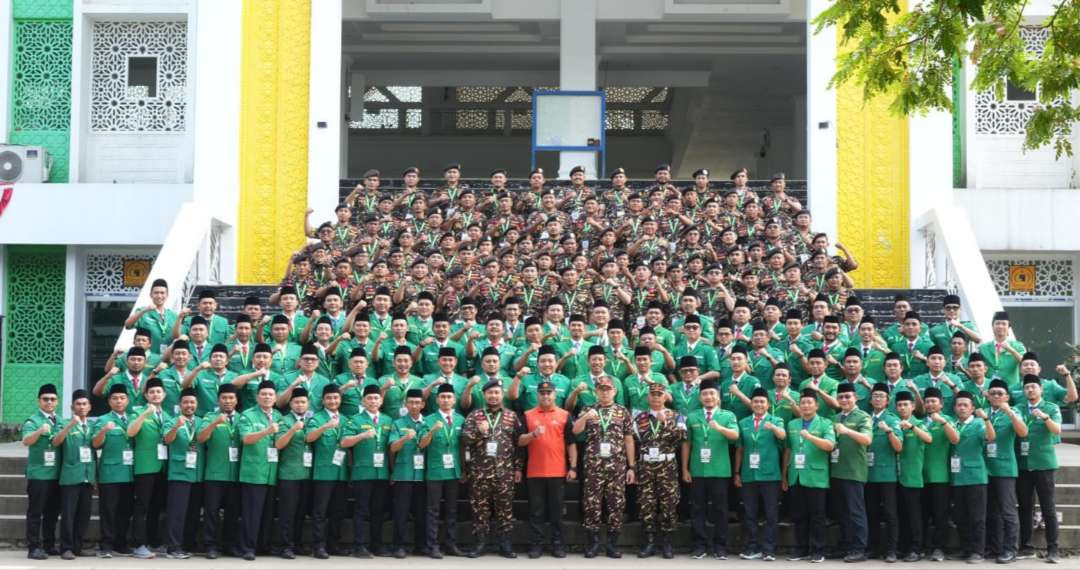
(309,458)
(378,460)
(654,453)
(491,448)
(339,457)
(800,461)
(834,457)
(271,454)
(234,454)
(705,454)
(418,461)
(128,457)
(448,460)
(954,464)
(162,451)
(1025,448)
(605,449)
(991,450)
(191,459)
(49,458)
(755,460)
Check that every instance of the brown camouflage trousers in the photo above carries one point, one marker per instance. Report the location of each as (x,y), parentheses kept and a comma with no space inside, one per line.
(658,495)
(604,490)
(491,501)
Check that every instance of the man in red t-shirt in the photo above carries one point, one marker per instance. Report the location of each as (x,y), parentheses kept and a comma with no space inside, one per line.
(550,444)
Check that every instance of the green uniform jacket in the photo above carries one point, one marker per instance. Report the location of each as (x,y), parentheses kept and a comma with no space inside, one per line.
(406,465)
(685,398)
(717,463)
(219,329)
(977,392)
(146,442)
(456,380)
(912,366)
(873,364)
(294,463)
(508,353)
(320,382)
(220,462)
(444,451)
(206,387)
(328,448)
(171,379)
(385,364)
(477,392)
(316,380)
(941,334)
(616,367)
(365,453)
(394,399)
(848,459)
(637,391)
(113,468)
(782,408)
(527,396)
(880,458)
(708,330)
(1001,453)
(135,398)
(762,368)
(78,466)
(1037,449)
(765,445)
(256,466)
(827,385)
(419,329)
(936,458)
(285,356)
(239,362)
(814,470)
(186,440)
(703,351)
(577,364)
(1053,392)
(1004,365)
(967,463)
(912,456)
(924,381)
(160,328)
(351,398)
(36,466)
(429,358)
(746,385)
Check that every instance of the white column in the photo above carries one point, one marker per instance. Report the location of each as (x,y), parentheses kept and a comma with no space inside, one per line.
(343,155)
(577,69)
(929,183)
(820,122)
(75,313)
(324,117)
(216,171)
(6,40)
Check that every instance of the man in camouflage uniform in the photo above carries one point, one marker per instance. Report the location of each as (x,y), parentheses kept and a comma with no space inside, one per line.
(658,437)
(490,438)
(610,465)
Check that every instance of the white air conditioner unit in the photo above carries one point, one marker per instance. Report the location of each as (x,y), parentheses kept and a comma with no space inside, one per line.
(21,163)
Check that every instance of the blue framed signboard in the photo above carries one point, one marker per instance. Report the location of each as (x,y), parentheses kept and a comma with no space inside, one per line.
(569,121)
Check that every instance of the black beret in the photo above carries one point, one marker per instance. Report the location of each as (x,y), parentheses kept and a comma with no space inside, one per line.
(46,389)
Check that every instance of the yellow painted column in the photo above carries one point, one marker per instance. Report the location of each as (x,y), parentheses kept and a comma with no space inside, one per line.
(273,136)
(872,188)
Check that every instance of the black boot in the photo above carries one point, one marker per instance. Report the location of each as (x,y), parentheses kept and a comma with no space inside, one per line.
(612,548)
(506,548)
(594,545)
(649,548)
(665,547)
(478,548)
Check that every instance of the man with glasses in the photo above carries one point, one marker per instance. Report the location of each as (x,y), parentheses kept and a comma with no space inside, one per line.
(1001,466)
(42,476)
(942,333)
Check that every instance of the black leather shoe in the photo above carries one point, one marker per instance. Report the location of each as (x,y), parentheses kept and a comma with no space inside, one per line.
(666,549)
(321,554)
(478,549)
(249,556)
(361,552)
(212,554)
(37,554)
(453,550)
(535,552)
(52,551)
(287,554)
(558,550)
(435,553)
(506,550)
(399,552)
(594,545)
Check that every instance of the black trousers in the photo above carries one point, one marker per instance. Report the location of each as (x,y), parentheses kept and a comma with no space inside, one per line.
(445,492)
(75,516)
(853,520)
(936,498)
(409,497)
(253,500)
(42,511)
(1002,521)
(150,490)
(545,506)
(970,516)
(328,506)
(881,508)
(369,502)
(765,494)
(909,505)
(115,511)
(179,495)
(1041,483)
(216,496)
(808,508)
(708,499)
(293,503)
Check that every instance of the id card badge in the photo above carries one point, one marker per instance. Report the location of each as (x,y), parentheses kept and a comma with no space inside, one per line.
(834,457)
(954,464)
(1025,447)
(128,457)
(869,458)
(378,460)
(191,459)
(448,460)
(755,460)
(991,450)
(403,411)
(308,458)
(234,454)
(800,461)
(85,455)
(417,461)
(491,448)
(605,449)
(705,454)
(162,451)
(339,457)
(49,457)
(654,453)
(639,322)
(271,454)
(176,409)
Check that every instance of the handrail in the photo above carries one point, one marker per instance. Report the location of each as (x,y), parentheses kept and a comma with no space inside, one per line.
(954,261)
(176,263)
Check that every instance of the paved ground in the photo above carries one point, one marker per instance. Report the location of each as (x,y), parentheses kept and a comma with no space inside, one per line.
(17,560)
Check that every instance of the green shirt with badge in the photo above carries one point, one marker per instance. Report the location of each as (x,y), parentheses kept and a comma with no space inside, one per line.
(295,460)
(808,464)
(527,395)
(1053,392)
(410,460)
(967,462)
(685,398)
(370,457)
(259,460)
(761,367)
(43,460)
(222,450)
(117,456)
(219,329)
(1037,449)
(187,457)
(848,460)
(429,358)
(206,385)
(135,397)
(941,334)
(1000,363)
(150,449)
(456,380)
(444,452)
(825,384)
(171,381)
(78,456)
(761,450)
(329,457)
(936,457)
(394,398)
(906,349)
(948,395)
(636,390)
(746,384)
(709,448)
(160,326)
(880,457)
(912,456)
(1001,453)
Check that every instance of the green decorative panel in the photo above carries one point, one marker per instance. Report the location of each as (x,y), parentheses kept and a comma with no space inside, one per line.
(34,324)
(41,90)
(21,382)
(959,154)
(41,9)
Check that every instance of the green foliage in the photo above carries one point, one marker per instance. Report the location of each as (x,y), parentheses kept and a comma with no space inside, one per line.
(908,56)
